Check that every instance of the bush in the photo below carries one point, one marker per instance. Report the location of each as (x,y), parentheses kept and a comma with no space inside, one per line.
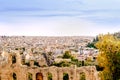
(67,55)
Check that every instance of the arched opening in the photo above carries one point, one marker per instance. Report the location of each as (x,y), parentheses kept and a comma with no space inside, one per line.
(30,76)
(39,76)
(22,59)
(14,76)
(13,59)
(49,76)
(65,76)
(82,76)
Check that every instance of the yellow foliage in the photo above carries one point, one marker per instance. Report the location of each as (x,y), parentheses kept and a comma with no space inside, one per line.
(109,47)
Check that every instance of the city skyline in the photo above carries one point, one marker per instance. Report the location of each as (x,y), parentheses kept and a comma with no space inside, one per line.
(59,18)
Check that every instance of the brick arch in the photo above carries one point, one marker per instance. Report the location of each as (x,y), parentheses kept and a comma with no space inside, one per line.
(54,74)
(82,75)
(29,76)
(70,73)
(14,60)
(14,76)
(17,58)
(66,76)
(10,74)
(49,76)
(89,72)
(39,76)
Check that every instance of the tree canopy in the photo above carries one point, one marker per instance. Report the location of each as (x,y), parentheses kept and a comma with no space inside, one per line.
(67,55)
(92,44)
(109,57)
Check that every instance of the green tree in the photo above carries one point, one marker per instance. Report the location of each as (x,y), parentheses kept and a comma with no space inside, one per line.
(67,55)
(62,64)
(109,57)
(92,44)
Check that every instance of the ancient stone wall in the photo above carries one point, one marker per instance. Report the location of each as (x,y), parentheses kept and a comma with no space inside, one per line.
(20,72)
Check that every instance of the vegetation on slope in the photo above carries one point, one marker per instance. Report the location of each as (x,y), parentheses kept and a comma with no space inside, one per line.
(95,40)
(73,61)
(92,44)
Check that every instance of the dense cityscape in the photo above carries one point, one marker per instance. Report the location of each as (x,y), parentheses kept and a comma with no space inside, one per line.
(34,46)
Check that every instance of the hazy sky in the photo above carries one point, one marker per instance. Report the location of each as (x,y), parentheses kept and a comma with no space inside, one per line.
(59,17)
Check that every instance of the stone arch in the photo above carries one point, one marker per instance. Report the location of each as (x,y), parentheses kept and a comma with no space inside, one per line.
(29,76)
(82,76)
(65,76)
(50,77)
(39,76)
(55,73)
(14,60)
(14,76)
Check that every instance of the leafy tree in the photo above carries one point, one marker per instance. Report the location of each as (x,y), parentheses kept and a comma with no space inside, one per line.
(92,44)
(67,55)
(62,64)
(109,57)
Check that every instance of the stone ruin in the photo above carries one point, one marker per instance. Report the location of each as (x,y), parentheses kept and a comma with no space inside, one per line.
(14,70)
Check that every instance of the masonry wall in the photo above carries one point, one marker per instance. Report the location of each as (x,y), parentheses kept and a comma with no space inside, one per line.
(21,71)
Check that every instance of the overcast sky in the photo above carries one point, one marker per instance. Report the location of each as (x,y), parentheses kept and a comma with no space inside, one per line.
(59,17)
